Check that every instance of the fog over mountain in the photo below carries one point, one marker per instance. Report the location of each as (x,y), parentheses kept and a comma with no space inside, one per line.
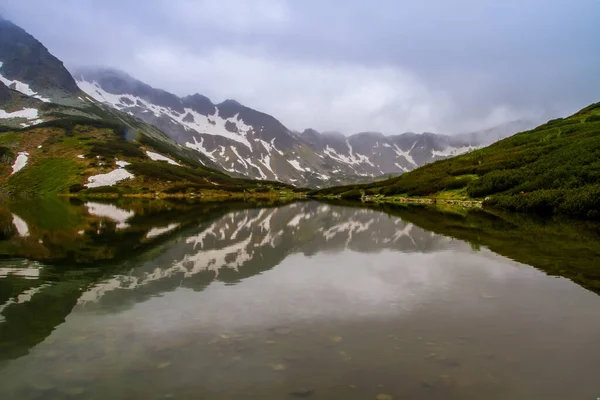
(342,66)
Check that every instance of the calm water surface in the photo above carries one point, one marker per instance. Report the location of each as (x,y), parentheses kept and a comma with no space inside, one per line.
(308,300)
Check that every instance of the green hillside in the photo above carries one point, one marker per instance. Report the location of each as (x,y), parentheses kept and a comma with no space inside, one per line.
(552,169)
(62,155)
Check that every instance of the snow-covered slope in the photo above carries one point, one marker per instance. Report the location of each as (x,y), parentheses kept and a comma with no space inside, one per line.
(247,142)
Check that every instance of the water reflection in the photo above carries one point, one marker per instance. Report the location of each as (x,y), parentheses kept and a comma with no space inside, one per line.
(161,300)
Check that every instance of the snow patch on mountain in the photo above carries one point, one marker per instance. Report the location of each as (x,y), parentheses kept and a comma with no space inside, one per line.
(296,164)
(215,125)
(122,164)
(352,159)
(21,87)
(32,123)
(199,146)
(27,113)
(159,157)
(406,154)
(452,151)
(208,124)
(109,179)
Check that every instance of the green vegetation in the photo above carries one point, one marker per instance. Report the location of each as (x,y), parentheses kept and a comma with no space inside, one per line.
(69,123)
(552,169)
(115,148)
(49,213)
(48,177)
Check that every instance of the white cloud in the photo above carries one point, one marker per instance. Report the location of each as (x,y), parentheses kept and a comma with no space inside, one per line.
(335,96)
(231,15)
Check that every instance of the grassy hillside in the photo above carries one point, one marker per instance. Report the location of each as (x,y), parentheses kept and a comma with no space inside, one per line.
(552,169)
(64,153)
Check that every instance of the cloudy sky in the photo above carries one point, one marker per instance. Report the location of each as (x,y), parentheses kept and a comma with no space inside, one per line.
(381,65)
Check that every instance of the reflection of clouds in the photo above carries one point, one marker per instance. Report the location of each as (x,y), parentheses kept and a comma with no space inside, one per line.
(344,285)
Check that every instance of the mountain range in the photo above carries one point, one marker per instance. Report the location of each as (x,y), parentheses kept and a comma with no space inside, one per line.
(247,142)
(236,140)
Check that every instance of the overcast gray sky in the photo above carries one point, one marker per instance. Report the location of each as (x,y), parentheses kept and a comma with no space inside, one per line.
(380,65)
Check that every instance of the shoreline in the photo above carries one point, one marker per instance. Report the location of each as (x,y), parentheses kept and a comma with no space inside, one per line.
(422,200)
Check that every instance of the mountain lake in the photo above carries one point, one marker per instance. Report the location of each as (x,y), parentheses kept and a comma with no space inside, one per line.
(157,299)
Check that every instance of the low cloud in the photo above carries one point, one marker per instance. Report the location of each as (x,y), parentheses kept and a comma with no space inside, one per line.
(342,65)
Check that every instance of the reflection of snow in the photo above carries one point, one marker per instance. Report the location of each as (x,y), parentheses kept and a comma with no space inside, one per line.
(210,260)
(22,298)
(297,218)
(404,232)
(21,226)
(27,273)
(159,231)
(351,227)
(241,236)
(110,211)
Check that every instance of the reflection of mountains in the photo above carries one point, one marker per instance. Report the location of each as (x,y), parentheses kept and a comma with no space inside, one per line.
(177,247)
(167,247)
(559,247)
(244,243)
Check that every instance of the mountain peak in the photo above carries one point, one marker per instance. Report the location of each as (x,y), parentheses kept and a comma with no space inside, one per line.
(26,62)
(369,134)
(199,103)
(230,102)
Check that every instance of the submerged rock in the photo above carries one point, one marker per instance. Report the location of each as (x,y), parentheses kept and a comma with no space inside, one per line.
(73,391)
(42,385)
(282,330)
(277,367)
(302,392)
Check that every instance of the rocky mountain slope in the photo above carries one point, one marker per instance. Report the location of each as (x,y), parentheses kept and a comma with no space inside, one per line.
(251,143)
(28,67)
(57,139)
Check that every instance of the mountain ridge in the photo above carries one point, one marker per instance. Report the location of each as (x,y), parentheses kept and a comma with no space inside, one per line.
(248,142)
(552,169)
